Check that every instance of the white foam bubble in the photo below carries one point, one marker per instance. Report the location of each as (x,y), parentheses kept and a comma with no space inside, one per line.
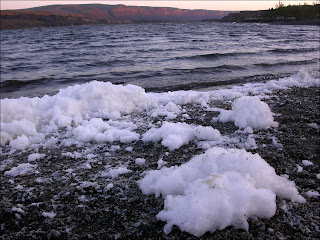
(35,156)
(175,135)
(21,169)
(249,112)
(115,172)
(220,188)
(140,161)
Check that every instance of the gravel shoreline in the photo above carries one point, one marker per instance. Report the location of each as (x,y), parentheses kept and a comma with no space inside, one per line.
(86,208)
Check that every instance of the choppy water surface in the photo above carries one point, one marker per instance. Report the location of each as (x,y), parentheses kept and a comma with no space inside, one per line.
(158,57)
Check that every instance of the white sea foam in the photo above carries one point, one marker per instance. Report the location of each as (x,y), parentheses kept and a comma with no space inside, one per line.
(114,172)
(307,163)
(223,187)
(21,169)
(79,107)
(312,194)
(100,131)
(220,188)
(49,214)
(174,135)
(249,112)
(95,111)
(140,161)
(35,156)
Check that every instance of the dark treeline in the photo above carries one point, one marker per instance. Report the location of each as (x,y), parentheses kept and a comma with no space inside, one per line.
(299,13)
(282,14)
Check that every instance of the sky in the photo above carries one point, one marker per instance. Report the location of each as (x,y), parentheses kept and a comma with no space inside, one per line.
(208,4)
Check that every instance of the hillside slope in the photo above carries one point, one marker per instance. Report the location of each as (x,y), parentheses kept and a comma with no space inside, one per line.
(133,13)
(87,14)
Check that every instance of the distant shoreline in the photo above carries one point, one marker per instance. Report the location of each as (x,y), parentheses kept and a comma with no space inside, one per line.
(310,23)
(307,23)
(276,22)
(290,15)
(93,14)
(97,14)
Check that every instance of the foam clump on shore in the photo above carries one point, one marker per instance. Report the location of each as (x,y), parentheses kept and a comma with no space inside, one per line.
(101,131)
(70,107)
(174,135)
(35,156)
(21,170)
(249,112)
(115,172)
(220,188)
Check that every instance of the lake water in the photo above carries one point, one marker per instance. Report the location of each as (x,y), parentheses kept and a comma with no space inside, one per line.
(158,57)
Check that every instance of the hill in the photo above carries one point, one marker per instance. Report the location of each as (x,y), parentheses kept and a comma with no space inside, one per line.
(19,19)
(61,15)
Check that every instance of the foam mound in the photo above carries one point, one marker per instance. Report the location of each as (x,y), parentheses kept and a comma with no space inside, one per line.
(21,170)
(220,188)
(175,135)
(249,112)
(79,106)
